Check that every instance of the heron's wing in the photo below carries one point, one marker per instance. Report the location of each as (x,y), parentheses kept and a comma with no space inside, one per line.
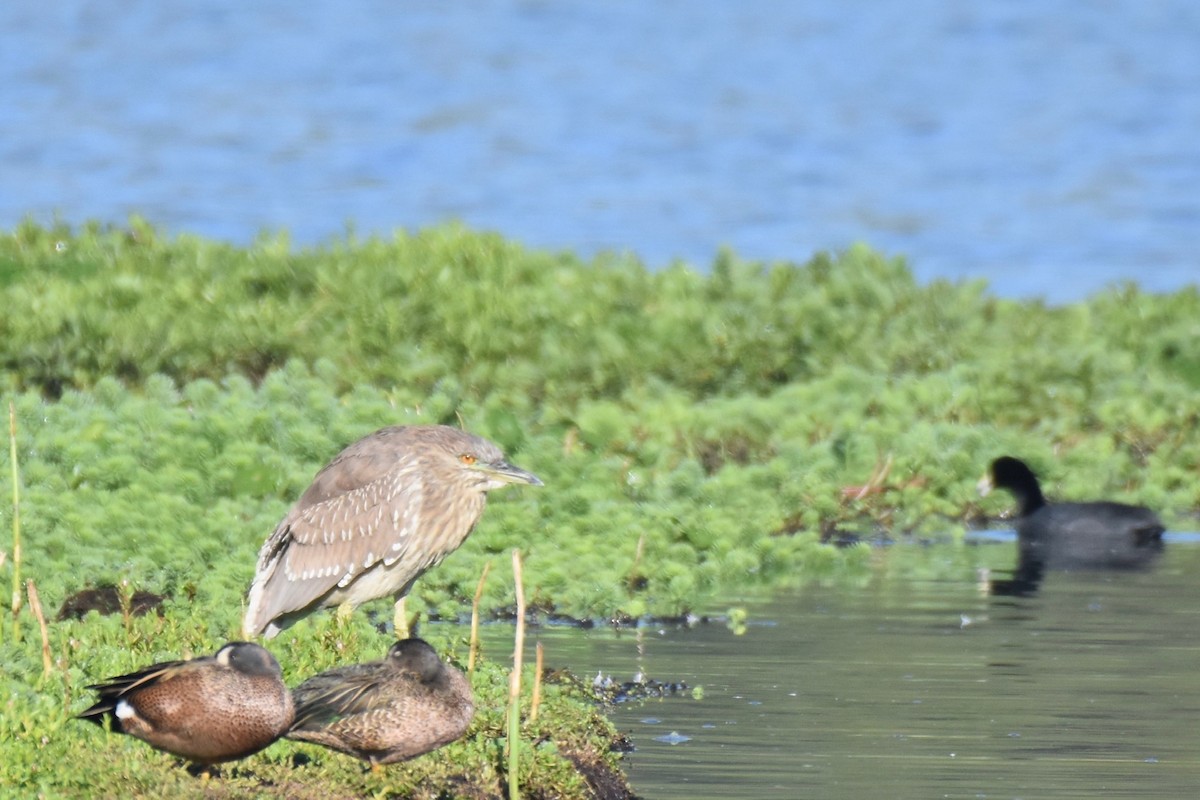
(362,463)
(351,518)
(348,533)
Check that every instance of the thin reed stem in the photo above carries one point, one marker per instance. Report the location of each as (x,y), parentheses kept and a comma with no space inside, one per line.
(537,686)
(514,687)
(35,605)
(634,576)
(16,524)
(474,648)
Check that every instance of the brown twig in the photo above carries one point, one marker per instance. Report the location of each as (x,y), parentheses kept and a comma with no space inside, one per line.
(874,484)
(64,665)
(537,686)
(35,605)
(631,580)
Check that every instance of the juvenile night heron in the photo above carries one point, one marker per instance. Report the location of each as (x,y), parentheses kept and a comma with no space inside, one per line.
(208,710)
(386,509)
(385,711)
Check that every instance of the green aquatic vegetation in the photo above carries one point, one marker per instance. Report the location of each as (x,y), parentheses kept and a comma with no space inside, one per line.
(671,408)
(699,434)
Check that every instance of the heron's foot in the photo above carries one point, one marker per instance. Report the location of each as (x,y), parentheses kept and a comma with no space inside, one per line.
(404,626)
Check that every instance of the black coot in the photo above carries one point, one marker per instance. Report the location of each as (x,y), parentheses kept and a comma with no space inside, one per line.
(1096,535)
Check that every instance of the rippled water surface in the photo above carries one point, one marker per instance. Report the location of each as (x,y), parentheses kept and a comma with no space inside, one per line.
(921,687)
(1047,146)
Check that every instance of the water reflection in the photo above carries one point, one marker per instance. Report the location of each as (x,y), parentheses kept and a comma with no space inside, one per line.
(920,685)
(1034,561)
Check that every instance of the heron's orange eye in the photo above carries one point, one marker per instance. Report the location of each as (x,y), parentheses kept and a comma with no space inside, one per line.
(467,459)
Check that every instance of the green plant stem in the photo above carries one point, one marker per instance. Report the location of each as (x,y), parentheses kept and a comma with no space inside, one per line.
(474,647)
(16,551)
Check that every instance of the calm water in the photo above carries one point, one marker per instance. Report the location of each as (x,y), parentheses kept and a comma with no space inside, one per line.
(1048,146)
(921,688)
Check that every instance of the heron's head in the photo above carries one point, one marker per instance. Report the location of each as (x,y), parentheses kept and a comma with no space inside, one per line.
(482,464)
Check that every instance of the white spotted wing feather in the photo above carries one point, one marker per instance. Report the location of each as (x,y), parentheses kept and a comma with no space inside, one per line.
(350,537)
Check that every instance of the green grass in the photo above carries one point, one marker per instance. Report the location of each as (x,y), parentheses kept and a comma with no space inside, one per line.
(45,751)
(698,434)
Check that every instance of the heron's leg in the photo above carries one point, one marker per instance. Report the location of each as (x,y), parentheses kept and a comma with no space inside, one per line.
(343,614)
(399,620)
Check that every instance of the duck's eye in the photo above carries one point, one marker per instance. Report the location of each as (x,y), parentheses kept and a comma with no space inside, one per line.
(467,459)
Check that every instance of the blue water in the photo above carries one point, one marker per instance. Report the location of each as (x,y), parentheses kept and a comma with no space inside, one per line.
(1049,147)
(916,685)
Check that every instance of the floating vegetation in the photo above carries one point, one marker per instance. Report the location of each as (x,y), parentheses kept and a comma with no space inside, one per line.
(700,435)
(637,688)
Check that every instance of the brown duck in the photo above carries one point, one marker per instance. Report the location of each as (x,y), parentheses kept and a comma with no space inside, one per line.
(208,710)
(385,711)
